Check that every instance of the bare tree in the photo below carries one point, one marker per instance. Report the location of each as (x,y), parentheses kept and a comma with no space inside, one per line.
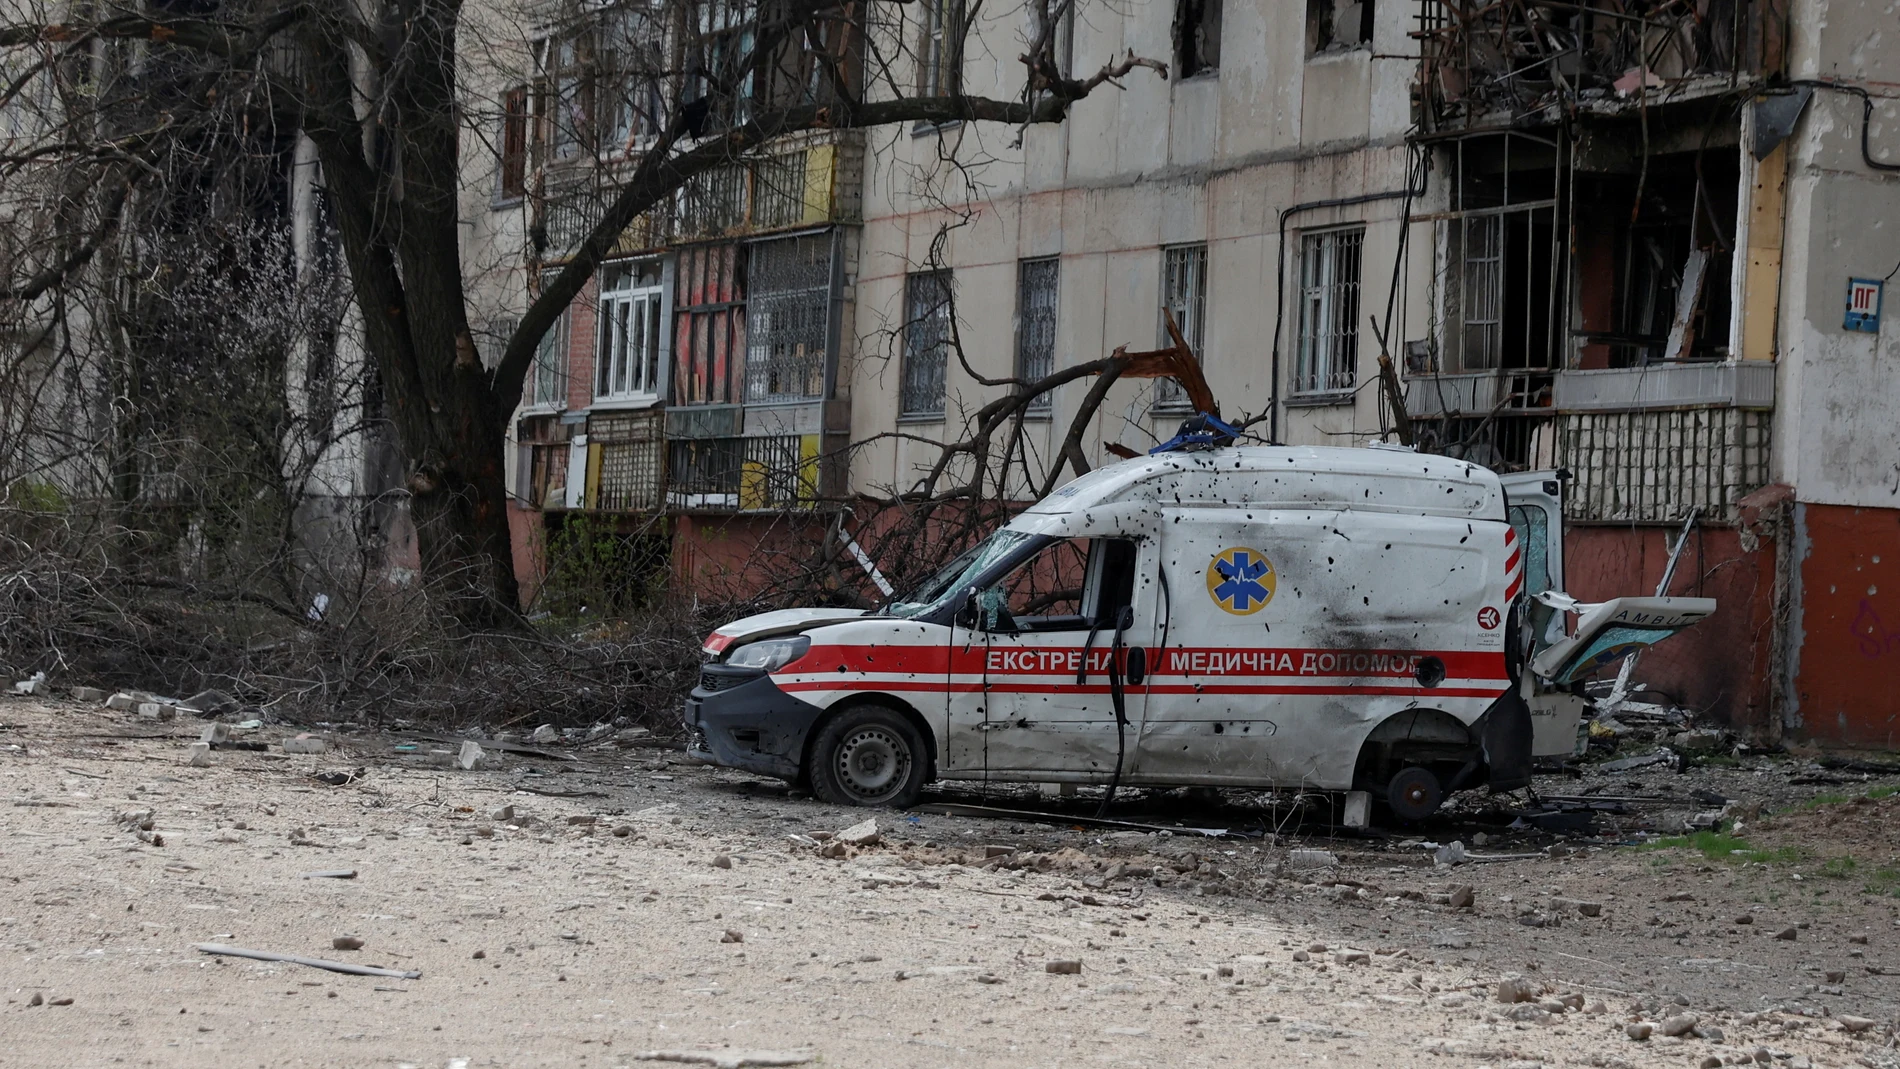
(375,87)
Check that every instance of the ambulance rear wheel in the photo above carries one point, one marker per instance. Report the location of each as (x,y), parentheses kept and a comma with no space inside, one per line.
(869,756)
(1414,794)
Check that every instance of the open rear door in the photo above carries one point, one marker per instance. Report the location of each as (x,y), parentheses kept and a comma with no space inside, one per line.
(1534,504)
(1608,632)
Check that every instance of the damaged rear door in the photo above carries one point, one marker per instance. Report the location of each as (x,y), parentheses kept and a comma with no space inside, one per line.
(1612,630)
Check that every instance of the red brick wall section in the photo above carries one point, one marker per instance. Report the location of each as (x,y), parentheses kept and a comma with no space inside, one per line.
(580,347)
(1849,626)
(1718,668)
(527,537)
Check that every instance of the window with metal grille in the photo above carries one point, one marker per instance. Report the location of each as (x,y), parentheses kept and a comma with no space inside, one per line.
(705,472)
(1183,295)
(1036,324)
(788,310)
(628,365)
(1329,311)
(940,48)
(928,307)
(630,445)
(709,329)
(775,474)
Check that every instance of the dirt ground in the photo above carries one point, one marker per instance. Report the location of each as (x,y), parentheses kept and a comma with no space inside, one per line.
(634,907)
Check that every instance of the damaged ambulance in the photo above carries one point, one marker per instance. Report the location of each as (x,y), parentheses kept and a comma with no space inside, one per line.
(1330,619)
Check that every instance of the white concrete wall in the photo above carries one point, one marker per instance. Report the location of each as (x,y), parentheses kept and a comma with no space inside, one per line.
(1212,159)
(1838,404)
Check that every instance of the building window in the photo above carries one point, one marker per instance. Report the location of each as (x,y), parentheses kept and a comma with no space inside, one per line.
(1337,25)
(629,81)
(927,310)
(709,329)
(788,316)
(1197,37)
(628,367)
(514,144)
(547,380)
(566,98)
(940,48)
(1036,325)
(1184,296)
(1329,311)
(718,87)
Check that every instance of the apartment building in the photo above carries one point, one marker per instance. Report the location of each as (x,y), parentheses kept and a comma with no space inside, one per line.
(1642,244)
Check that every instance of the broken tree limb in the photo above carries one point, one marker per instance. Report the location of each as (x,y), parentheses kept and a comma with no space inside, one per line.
(298,959)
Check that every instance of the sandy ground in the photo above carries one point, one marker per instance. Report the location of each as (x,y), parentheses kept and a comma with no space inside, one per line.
(658,907)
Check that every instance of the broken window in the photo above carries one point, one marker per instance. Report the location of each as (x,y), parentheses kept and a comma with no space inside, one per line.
(708,326)
(513,182)
(788,314)
(1337,25)
(1197,37)
(940,48)
(1036,325)
(628,365)
(1183,296)
(1329,311)
(541,462)
(1071,584)
(928,306)
(1501,271)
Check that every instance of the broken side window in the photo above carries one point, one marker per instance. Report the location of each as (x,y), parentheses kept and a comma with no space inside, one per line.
(1502,273)
(1197,37)
(1072,584)
(1337,25)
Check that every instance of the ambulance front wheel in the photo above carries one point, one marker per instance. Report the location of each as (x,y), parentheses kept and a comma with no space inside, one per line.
(1414,793)
(870,756)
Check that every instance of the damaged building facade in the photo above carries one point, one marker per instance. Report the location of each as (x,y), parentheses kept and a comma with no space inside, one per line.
(1643,243)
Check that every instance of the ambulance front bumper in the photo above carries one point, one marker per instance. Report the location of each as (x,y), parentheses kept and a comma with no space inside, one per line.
(741,719)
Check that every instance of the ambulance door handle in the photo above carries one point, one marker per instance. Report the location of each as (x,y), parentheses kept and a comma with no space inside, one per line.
(1137,669)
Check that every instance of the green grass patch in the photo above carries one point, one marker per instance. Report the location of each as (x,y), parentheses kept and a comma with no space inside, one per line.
(1839,868)
(1720,846)
(1884,880)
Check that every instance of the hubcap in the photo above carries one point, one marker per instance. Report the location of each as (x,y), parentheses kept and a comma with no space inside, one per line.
(873,762)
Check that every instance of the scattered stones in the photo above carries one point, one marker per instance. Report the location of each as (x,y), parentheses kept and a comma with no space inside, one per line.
(123,703)
(37,999)
(215,734)
(1679,896)
(1710,1061)
(209,703)
(1679,1025)
(1062,966)
(1596,1009)
(442,758)
(1855,1024)
(721,861)
(347,942)
(1746,918)
(621,831)
(1352,957)
(545,734)
(88,694)
(1639,1030)
(1528,1013)
(1583,908)
(472,757)
(198,755)
(1306,860)
(1301,955)
(502,814)
(306,743)
(1712,1033)
(1836,976)
(1789,933)
(581,819)
(733,935)
(156,711)
(479,955)
(864,833)
(63,1000)
(31,686)
(1461,897)
(1861,939)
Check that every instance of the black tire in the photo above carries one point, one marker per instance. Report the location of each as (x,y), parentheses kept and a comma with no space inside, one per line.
(869,756)
(1414,793)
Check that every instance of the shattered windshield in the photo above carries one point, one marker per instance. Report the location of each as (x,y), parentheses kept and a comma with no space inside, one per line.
(960,574)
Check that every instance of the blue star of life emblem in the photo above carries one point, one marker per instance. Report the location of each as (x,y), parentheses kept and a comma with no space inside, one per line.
(1241,580)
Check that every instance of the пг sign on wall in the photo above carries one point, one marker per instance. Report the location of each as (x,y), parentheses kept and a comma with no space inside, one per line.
(1863,305)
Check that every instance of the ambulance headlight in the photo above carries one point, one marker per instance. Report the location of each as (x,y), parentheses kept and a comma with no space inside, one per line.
(771,654)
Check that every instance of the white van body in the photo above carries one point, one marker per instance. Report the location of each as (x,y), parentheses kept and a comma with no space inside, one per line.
(1320,618)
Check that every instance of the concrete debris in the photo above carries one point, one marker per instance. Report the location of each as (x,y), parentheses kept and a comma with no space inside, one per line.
(198,755)
(1517,989)
(1062,966)
(123,702)
(1710,1061)
(1461,897)
(306,743)
(442,758)
(472,757)
(1583,908)
(1451,853)
(502,815)
(346,942)
(1789,933)
(721,861)
(1352,957)
(582,819)
(215,734)
(34,685)
(1528,1013)
(1700,740)
(1452,939)
(864,833)
(88,694)
(727,1058)
(1640,1030)
(1649,760)
(1855,1024)
(157,711)
(545,734)
(733,935)
(1307,860)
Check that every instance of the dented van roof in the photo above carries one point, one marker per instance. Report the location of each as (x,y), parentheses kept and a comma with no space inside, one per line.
(1326,477)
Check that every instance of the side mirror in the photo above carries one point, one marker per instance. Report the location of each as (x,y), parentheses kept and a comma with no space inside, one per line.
(967,612)
(1137,665)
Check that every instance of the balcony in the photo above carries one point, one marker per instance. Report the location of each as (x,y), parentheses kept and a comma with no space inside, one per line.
(1745,384)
